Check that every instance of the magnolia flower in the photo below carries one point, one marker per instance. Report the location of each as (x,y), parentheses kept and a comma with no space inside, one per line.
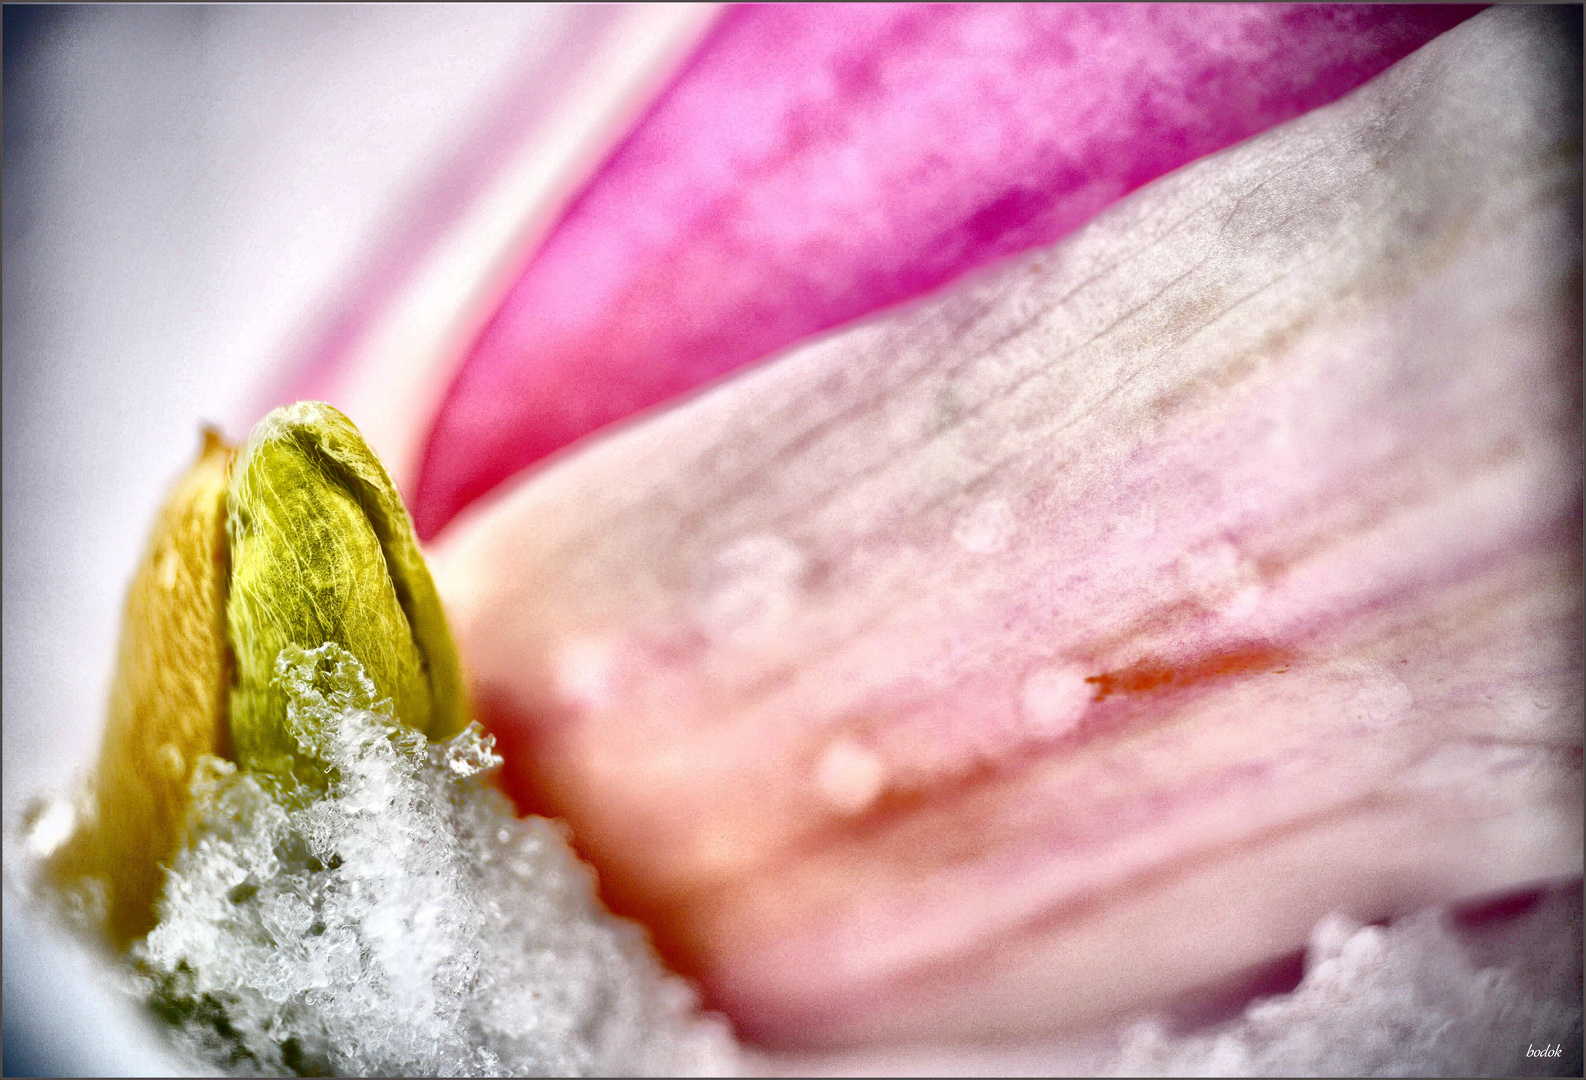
(1077,636)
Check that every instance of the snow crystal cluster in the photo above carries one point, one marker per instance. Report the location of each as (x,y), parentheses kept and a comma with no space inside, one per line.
(393,917)
(1410,999)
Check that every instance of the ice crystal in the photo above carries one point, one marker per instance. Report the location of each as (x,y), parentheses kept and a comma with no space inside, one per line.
(389,915)
(1409,999)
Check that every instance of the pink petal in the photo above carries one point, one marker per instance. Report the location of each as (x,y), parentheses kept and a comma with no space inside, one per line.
(1078,637)
(815,163)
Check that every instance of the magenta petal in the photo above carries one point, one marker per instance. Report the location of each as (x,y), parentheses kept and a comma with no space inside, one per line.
(816,163)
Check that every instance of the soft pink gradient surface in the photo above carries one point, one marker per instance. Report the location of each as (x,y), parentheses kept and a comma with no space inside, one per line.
(816,163)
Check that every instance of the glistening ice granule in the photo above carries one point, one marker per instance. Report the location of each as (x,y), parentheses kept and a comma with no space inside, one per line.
(397,919)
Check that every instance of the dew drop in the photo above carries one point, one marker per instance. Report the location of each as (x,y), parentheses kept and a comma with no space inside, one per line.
(751,585)
(171,761)
(986,528)
(1470,768)
(1370,695)
(1140,526)
(1054,698)
(849,775)
(1528,707)
(583,669)
(1221,579)
(167,568)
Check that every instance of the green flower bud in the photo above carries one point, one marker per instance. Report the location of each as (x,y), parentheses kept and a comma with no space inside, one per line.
(300,541)
(322,550)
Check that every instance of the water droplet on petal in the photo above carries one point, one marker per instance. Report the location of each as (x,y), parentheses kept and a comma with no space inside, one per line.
(1473,768)
(1528,707)
(1139,526)
(583,668)
(1371,696)
(171,761)
(751,585)
(986,528)
(1054,698)
(1221,578)
(850,776)
(169,561)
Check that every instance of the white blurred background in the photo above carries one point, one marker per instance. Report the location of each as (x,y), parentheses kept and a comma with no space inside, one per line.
(184,190)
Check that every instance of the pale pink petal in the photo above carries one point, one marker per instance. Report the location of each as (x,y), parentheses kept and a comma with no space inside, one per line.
(815,163)
(1079,636)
